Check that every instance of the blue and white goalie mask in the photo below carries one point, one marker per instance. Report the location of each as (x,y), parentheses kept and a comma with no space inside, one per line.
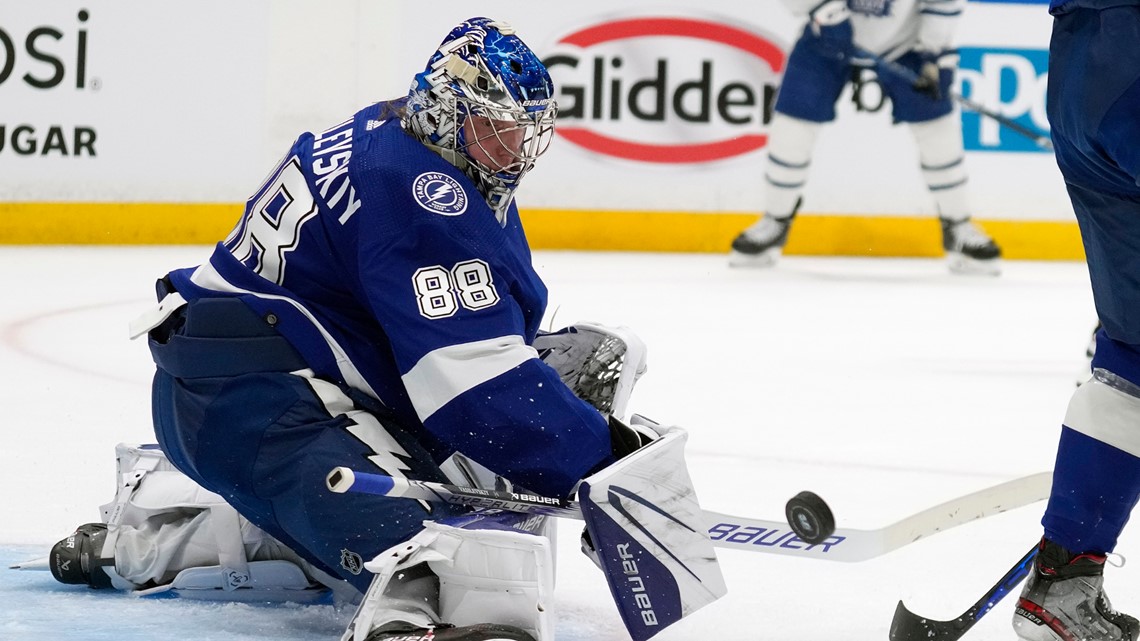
(485,103)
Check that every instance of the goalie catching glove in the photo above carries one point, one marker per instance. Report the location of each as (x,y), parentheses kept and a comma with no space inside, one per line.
(600,364)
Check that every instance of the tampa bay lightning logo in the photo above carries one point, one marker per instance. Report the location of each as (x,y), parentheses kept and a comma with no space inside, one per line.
(439,193)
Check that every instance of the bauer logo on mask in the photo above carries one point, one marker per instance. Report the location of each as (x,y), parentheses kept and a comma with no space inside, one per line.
(439,194)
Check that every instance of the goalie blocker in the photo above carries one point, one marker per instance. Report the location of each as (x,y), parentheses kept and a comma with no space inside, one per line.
(646,531)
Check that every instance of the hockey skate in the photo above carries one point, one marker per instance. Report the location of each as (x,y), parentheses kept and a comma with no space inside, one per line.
(761,244)
(969,250)
(481,632)
(1063,600)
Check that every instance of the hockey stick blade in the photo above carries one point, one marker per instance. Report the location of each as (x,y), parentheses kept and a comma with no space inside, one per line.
(727,531)
(908,626)
(1040,139)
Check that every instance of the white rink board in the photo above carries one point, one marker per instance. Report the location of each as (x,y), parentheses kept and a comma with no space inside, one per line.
(193,104)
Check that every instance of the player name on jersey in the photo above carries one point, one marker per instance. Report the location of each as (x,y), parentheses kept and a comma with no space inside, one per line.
(331,152)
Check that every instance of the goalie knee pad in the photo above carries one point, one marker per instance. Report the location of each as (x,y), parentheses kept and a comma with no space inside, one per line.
(481,568)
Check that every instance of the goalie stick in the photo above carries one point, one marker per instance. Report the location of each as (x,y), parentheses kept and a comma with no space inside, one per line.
(1042,140)
(733,532)
(908,626)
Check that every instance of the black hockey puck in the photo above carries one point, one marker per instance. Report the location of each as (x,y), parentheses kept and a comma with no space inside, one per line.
(809,517)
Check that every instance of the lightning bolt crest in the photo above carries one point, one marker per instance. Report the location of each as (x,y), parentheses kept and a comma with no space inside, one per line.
(442,190)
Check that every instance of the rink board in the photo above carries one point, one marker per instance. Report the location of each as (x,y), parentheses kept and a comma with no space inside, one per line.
(662,133)
(656,231)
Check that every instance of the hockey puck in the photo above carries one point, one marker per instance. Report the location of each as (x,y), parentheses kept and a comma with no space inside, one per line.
(809,517)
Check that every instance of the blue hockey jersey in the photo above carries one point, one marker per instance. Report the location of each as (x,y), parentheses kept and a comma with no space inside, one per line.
(387,271)
(1059,7)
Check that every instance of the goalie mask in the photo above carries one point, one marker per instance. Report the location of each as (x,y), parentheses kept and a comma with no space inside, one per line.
(485,103)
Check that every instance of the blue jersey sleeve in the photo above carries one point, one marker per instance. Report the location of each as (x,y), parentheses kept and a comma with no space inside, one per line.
(385,268)
(458,301)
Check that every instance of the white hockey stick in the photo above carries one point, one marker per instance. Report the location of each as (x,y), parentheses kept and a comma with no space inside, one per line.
(734,532)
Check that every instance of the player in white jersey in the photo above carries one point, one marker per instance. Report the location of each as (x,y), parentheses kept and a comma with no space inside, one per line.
(916,34)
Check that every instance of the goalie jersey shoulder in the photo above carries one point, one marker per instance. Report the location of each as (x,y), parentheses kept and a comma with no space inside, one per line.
(370,186)
(368,165)
(409,189)
(362,231)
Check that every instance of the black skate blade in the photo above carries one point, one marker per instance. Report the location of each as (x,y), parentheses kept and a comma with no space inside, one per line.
(908,626)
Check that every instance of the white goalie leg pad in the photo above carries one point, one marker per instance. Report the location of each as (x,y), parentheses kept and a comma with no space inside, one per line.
(148,544)
(790,145)
(490,567)
(600,363)
(944,164)
(165,529)
(649,532)
(500,576)
(266,582)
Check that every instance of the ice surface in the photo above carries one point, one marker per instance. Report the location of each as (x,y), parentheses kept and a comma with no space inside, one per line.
(886,386)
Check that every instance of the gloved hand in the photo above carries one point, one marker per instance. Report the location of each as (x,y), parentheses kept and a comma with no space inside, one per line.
(830,25)
(588,548)
(627,438)
(929,80)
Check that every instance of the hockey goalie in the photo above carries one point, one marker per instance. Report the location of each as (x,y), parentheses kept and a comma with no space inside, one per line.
(376,307)
(478,574)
